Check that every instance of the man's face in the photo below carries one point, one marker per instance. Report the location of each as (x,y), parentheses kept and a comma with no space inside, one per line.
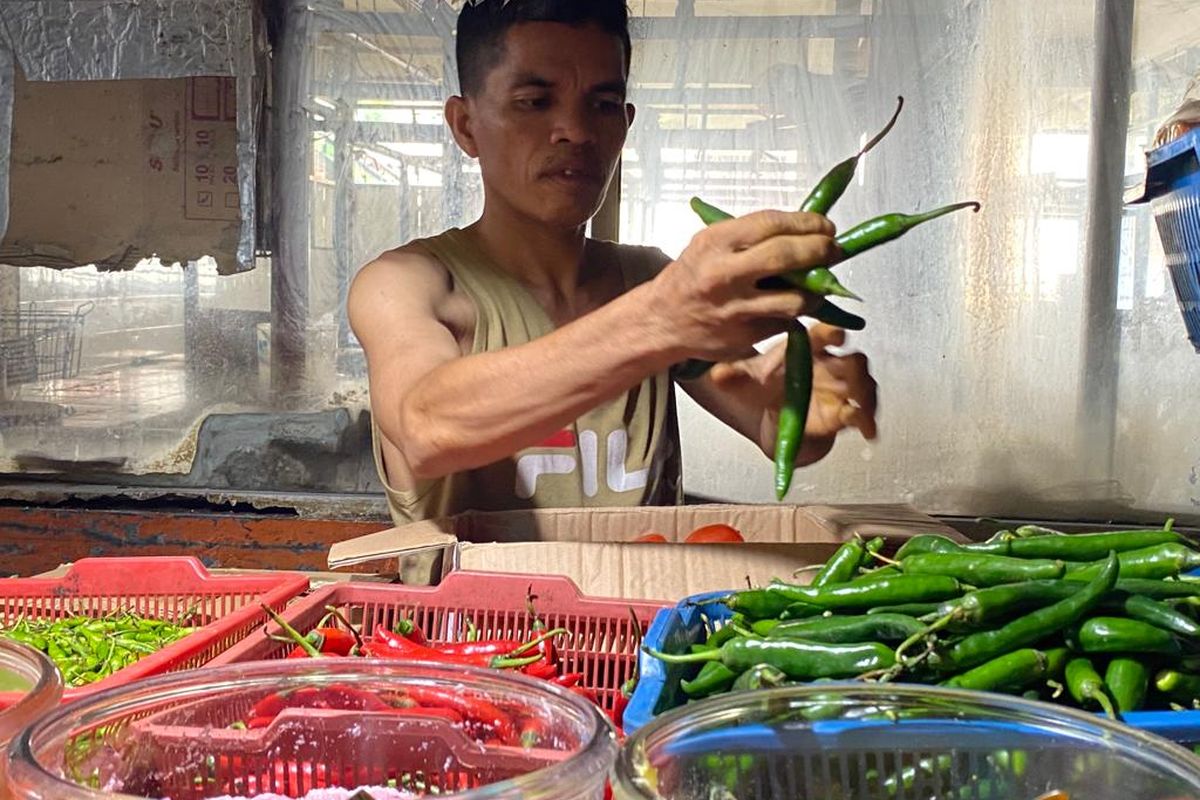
(550,121)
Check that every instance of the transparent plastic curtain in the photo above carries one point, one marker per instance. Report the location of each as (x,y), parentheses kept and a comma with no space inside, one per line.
(976,324)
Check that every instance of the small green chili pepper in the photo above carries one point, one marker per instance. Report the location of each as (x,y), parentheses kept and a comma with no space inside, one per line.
(1182,687)
(803,661)
(842,565)
(798,378)
(927,543)
(995,602)
(885,591)
(714,678)
(1155,613)
(908,609)
(830,188)
(1029,629)
(1086,686)
(1126,680)
(982,570)
(709,214)
(1120,635)
(866,628)
(1079,546)
(760,676)
(1155,562)
(1010,672)
(1159,590)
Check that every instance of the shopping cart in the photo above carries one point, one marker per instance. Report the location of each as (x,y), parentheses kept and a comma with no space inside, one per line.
(40,345)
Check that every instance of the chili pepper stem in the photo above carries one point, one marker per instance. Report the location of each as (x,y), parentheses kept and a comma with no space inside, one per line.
(683,658)
(933,627)
(340,617)
(525,648)
(891,562)
(300,639)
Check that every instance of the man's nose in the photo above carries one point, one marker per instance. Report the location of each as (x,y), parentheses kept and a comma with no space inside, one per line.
(573,124)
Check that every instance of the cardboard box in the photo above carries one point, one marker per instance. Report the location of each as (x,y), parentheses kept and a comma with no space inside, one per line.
(109,172)
(593,547)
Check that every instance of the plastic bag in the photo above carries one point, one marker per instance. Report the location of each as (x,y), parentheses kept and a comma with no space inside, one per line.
(1185,118)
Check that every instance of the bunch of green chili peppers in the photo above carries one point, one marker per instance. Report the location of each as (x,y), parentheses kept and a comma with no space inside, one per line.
(822,282)
(1103,621)
(88,649)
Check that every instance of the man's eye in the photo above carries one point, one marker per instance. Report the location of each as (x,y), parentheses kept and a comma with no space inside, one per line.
(610,105)
(533,102)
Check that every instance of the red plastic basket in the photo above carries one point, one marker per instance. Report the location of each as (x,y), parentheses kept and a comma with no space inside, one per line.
(158,588)
(602,645)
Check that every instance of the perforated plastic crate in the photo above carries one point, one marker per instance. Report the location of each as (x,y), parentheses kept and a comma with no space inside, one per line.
(227,607)
(1173,188)
(602,644)
(675,629)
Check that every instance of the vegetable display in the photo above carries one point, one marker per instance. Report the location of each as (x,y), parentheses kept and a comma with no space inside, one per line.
(336,637)
(1105,621)
(88,649)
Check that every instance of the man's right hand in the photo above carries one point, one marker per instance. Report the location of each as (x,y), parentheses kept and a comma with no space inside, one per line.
(708,299)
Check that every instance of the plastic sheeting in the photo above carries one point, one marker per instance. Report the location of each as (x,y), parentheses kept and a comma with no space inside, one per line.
(93,40)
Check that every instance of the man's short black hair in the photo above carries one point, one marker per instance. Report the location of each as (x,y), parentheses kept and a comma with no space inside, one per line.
(482,25)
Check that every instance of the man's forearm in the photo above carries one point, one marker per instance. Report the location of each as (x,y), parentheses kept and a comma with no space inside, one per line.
(480,408)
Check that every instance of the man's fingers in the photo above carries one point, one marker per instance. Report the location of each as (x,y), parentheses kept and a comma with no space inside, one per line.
(745,232)
(786,253)
(823,336)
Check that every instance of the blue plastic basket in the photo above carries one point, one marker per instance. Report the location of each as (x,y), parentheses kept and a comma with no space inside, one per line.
(674,630)
(1172,186)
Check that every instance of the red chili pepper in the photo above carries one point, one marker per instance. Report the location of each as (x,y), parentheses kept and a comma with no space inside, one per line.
(541,669)
(448,714)
(335,641)
(473,709)
(585,693)
(568,680)
(546,647)
(491,647)
(340,698)
(535,730)
(393,645)
(259,722)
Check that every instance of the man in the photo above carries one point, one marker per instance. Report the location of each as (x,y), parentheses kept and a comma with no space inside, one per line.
(515,362)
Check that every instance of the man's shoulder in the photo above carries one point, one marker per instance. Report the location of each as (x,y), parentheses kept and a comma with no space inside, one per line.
(410,270)
(642,262)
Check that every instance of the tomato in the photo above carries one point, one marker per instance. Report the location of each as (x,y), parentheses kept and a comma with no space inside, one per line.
(707,534)
(650,537)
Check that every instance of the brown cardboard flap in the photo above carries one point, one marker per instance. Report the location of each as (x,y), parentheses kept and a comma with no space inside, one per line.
(389,543)
(663,572)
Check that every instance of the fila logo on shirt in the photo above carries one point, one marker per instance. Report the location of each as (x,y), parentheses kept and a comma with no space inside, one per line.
(532,466)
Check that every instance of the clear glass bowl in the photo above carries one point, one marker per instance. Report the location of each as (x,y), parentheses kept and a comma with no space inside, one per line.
(178,737)
(895,742)
(30,686)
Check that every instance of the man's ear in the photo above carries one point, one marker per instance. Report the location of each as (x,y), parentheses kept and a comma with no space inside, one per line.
(630,113)
(458,117)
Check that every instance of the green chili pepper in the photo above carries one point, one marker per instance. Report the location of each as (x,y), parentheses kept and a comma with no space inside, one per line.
(799,660)
(1010,672)
(760,676)
(885,591)
(1159,590)
(842,630)
(1158,561)
(995,602)
(1029,629)
(830,188)
(725,633)
(927,543)
(870,549)
(763,627)
(838,317)
(1086,686)
(1155,613)
(798,378)
(714,678)
(889,571)
(907,609)
(709,214)
(1181,687)
(982,570)
(1079,546)
(1120,635)
(822,282)
(800,611)
(842,565)
(1126,680)
(757,604)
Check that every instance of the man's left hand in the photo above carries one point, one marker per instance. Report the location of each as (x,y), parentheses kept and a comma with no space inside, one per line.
(844,394)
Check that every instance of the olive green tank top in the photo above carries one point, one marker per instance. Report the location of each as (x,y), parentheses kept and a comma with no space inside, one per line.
(622,453)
